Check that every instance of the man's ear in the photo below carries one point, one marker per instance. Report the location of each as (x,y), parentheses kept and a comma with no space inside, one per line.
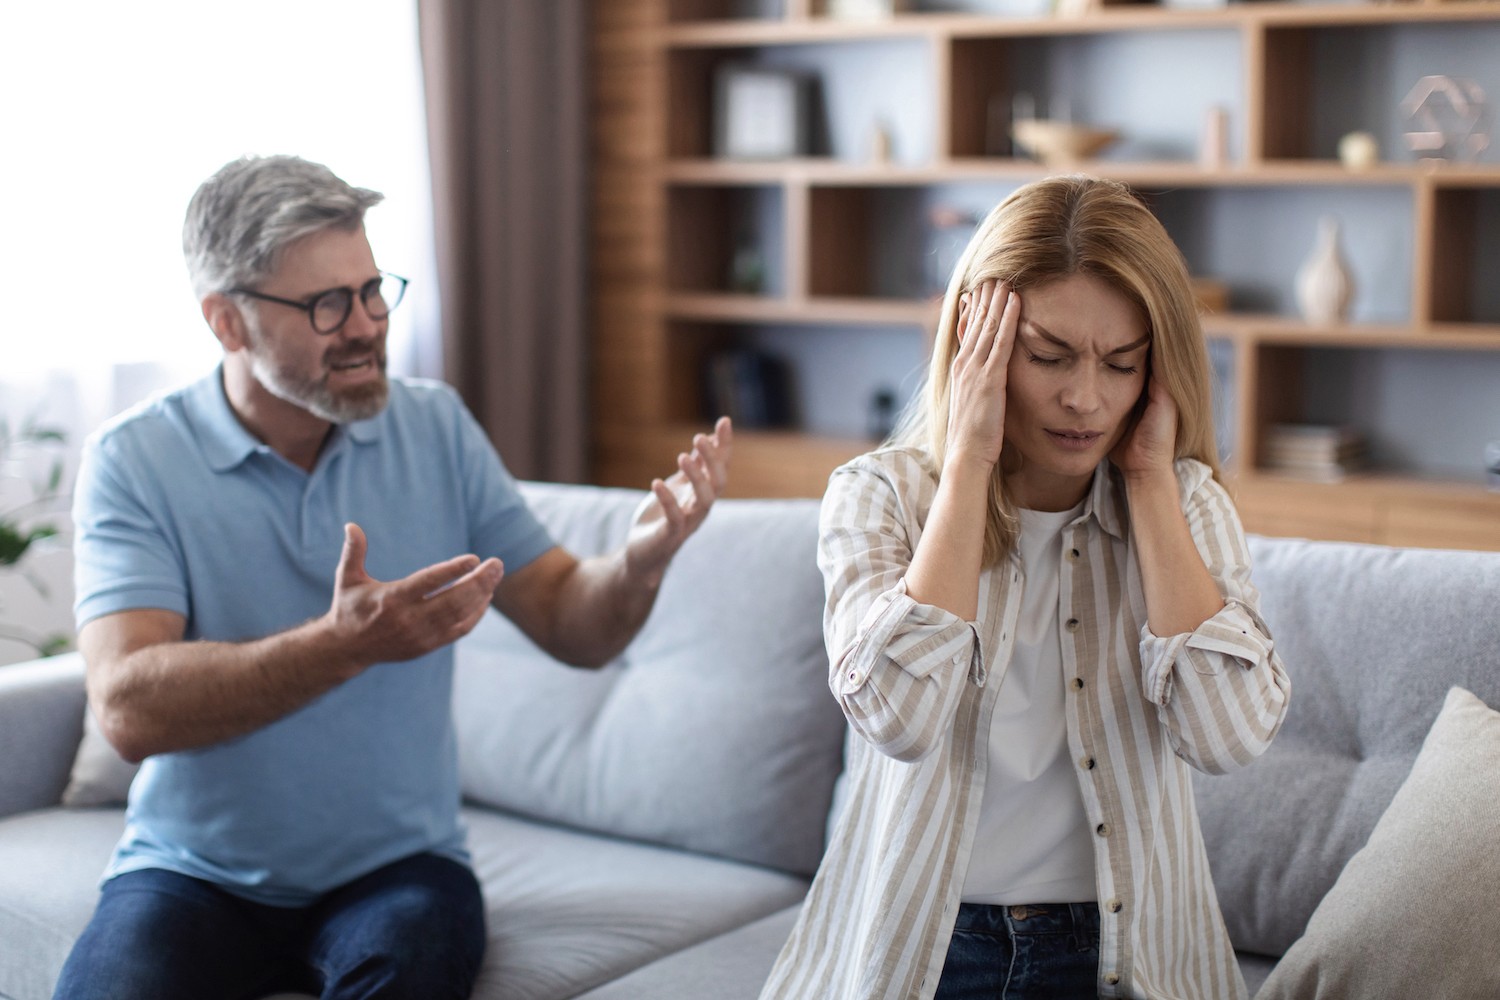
(224,318)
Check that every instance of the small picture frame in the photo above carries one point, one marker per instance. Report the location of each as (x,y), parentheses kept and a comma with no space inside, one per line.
(761,113)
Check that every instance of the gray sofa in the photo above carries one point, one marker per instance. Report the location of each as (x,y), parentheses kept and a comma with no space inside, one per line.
(646,831)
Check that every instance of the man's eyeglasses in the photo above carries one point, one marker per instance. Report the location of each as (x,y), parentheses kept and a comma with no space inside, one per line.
(328,311)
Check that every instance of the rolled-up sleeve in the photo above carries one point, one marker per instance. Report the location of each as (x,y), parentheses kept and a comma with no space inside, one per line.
(1220,690)
(897,667)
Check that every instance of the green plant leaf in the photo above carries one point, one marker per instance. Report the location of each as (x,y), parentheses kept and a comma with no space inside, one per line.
(53,645)
(13,543)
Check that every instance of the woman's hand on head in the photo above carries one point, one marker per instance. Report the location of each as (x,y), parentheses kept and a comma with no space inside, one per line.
(988,316)
(1149,444)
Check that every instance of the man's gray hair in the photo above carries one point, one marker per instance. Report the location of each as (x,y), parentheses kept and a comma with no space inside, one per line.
(242,217)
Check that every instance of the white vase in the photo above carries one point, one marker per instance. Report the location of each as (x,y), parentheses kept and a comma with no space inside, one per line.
(1324,285)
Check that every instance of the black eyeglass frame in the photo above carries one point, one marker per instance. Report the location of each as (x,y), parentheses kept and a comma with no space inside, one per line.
(310,305)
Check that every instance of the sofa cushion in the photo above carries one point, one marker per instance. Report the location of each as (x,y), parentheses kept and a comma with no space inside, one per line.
(566,910)
(1426,883)
(48,886)
(100,776)
(569,910)
(732,966)
(1372,638)
(714,731)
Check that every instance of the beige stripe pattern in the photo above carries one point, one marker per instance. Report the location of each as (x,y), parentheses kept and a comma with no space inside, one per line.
(918,687)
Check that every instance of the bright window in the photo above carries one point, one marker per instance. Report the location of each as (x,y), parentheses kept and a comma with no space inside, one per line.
(114,113)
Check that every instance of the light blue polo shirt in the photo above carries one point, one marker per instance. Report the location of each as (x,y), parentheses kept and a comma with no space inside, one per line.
(178,507)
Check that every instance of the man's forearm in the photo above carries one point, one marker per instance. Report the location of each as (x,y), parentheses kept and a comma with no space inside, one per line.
(183,695)
(600,609)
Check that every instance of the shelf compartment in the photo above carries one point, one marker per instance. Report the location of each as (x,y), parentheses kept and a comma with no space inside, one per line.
(1425,414)
(1460,293)
(1131,82)
(1255,240)
(836,370)
(728,239)
(1314,83)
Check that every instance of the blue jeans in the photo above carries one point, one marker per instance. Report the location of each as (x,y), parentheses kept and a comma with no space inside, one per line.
(413,929)
(1047,951)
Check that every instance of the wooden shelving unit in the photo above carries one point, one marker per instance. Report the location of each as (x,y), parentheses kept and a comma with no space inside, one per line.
(665,213)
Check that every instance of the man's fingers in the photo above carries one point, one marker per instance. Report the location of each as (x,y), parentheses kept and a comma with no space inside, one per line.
(669,506)
(351,569)
(695,467)
(430,579)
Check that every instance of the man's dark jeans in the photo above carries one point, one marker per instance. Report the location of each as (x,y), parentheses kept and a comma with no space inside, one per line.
(1044,952)
(413,929)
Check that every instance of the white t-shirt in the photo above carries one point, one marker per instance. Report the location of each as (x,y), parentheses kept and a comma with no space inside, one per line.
(1033,843)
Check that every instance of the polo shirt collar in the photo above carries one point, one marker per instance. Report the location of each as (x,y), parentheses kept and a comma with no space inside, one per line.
(225,441)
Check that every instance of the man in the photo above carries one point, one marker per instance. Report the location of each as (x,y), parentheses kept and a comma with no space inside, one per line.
(271,572)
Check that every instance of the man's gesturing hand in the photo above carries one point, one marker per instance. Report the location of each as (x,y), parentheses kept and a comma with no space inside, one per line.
(383,622)
(677,505)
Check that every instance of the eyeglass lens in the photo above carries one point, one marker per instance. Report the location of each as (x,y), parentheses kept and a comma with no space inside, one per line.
(378,295)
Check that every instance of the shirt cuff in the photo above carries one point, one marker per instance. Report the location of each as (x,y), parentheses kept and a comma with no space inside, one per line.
(1235,631)
(916,638)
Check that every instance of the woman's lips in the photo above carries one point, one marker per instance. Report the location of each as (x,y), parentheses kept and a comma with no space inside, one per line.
(1075,440)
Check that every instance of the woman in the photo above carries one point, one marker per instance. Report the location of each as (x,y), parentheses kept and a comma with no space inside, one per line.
(1039,616)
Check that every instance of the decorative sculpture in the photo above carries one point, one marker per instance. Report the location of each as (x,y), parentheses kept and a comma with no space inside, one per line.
(1449,119)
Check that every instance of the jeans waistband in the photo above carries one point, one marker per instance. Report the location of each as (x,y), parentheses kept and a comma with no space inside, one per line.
(1081,919)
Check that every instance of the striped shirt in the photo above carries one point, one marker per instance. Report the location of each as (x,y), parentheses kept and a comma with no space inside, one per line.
(918,685)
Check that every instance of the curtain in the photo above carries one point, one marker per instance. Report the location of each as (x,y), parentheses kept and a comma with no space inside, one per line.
(506,93)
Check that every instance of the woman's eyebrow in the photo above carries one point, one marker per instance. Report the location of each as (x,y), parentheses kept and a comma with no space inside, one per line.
(1045,334)
(1130,347)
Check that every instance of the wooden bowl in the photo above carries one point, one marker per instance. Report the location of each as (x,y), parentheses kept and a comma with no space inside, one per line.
(1061,143)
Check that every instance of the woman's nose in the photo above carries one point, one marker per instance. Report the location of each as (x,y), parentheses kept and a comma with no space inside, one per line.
(1081,392)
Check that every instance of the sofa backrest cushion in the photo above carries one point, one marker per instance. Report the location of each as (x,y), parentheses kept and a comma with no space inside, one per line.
(1372,638)
(714,731)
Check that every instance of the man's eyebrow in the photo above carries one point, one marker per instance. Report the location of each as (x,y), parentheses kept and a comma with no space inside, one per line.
(1045,334)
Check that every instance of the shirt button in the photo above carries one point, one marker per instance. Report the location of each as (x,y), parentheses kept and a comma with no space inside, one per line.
(1074,554)
(1087,763)
(1102,829)
(1072,625)
(1078,684)
(1114,906)
(1112,978)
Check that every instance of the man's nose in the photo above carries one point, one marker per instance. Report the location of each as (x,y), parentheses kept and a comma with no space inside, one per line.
(361,325)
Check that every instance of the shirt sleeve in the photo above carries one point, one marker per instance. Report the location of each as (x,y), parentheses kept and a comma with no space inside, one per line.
(1221,690)
(123,557)
(897,667)
(502,523)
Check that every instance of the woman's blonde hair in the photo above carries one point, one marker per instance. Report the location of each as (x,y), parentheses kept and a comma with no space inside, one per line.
(1051,229)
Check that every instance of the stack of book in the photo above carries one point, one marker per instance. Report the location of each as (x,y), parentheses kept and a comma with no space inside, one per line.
(1322,452)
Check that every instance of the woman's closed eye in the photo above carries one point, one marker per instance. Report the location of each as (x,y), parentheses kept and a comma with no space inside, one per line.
(1051,361)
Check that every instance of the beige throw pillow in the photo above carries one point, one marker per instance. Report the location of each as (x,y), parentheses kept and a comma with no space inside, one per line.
(1416,911)
(100,776)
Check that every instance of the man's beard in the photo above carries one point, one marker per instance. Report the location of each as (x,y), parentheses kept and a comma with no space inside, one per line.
(314,395)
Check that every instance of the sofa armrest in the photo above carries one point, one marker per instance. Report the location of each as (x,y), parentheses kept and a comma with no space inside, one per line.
(41,722)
